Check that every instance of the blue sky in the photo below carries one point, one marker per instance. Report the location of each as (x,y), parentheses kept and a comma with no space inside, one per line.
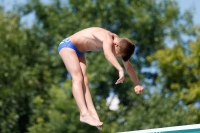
(191,5)
(183,4)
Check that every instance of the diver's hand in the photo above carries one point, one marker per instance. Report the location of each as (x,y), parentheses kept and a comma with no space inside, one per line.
(121,77)
(138,89)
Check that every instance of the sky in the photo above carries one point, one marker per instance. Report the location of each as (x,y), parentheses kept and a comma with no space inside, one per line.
(191,5)
(183,4)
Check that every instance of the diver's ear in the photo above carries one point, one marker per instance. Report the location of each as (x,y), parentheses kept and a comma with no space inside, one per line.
(116,44)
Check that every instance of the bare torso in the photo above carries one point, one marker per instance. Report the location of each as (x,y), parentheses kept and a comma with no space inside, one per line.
(90,39)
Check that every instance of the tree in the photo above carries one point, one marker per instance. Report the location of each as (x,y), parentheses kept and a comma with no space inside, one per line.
(37,66)
(179,74)
(26,65)
(147,22)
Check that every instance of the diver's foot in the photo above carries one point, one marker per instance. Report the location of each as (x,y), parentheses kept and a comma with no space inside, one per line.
(99,127)
(87,118)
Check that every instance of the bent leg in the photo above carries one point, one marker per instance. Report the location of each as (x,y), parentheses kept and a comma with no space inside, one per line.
(71,62)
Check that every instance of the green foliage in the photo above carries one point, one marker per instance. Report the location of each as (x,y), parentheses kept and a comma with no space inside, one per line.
(180,70)
(26,63)
(179,74)
(11,79)
(36,89)
(54,112)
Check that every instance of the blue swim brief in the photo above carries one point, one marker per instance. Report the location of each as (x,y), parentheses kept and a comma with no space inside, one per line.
(66,43)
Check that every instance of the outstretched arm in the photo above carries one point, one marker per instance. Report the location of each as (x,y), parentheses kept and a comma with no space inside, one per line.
(129,68)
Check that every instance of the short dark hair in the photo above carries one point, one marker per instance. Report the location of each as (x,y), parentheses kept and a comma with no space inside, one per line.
(127,48)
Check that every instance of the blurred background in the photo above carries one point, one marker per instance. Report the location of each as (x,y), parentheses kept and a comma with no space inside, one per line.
(35,87)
